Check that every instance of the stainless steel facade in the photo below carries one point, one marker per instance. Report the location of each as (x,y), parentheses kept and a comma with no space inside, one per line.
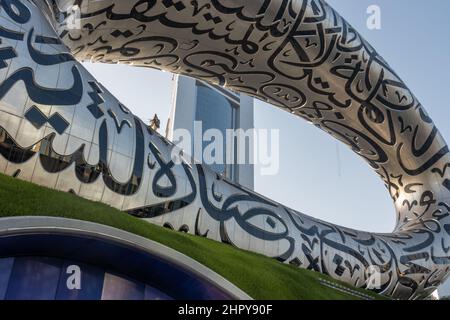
(62,129)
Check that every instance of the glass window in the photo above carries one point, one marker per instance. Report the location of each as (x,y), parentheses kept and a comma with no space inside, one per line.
(5,273)
(43,278)
(152,293)
(216,111)
(90,282)
(118,288)
(34,279)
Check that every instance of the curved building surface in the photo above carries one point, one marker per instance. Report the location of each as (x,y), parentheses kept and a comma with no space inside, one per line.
(43,258)
(60,128)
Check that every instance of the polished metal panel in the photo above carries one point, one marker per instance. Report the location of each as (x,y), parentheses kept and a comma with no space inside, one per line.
(299,55)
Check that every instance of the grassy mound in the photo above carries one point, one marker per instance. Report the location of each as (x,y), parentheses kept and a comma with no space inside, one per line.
(257,275)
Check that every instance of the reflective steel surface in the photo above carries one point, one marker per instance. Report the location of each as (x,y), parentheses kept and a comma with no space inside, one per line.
(62,129)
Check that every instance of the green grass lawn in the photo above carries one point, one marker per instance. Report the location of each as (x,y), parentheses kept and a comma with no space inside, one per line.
(257,275)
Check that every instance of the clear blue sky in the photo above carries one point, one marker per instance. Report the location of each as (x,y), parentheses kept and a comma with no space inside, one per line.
(319,176)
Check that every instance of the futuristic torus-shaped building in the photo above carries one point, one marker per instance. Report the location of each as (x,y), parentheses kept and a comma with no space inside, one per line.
(60,128)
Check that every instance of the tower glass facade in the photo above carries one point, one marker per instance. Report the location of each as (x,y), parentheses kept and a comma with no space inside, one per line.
(216,111)
(219,109)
